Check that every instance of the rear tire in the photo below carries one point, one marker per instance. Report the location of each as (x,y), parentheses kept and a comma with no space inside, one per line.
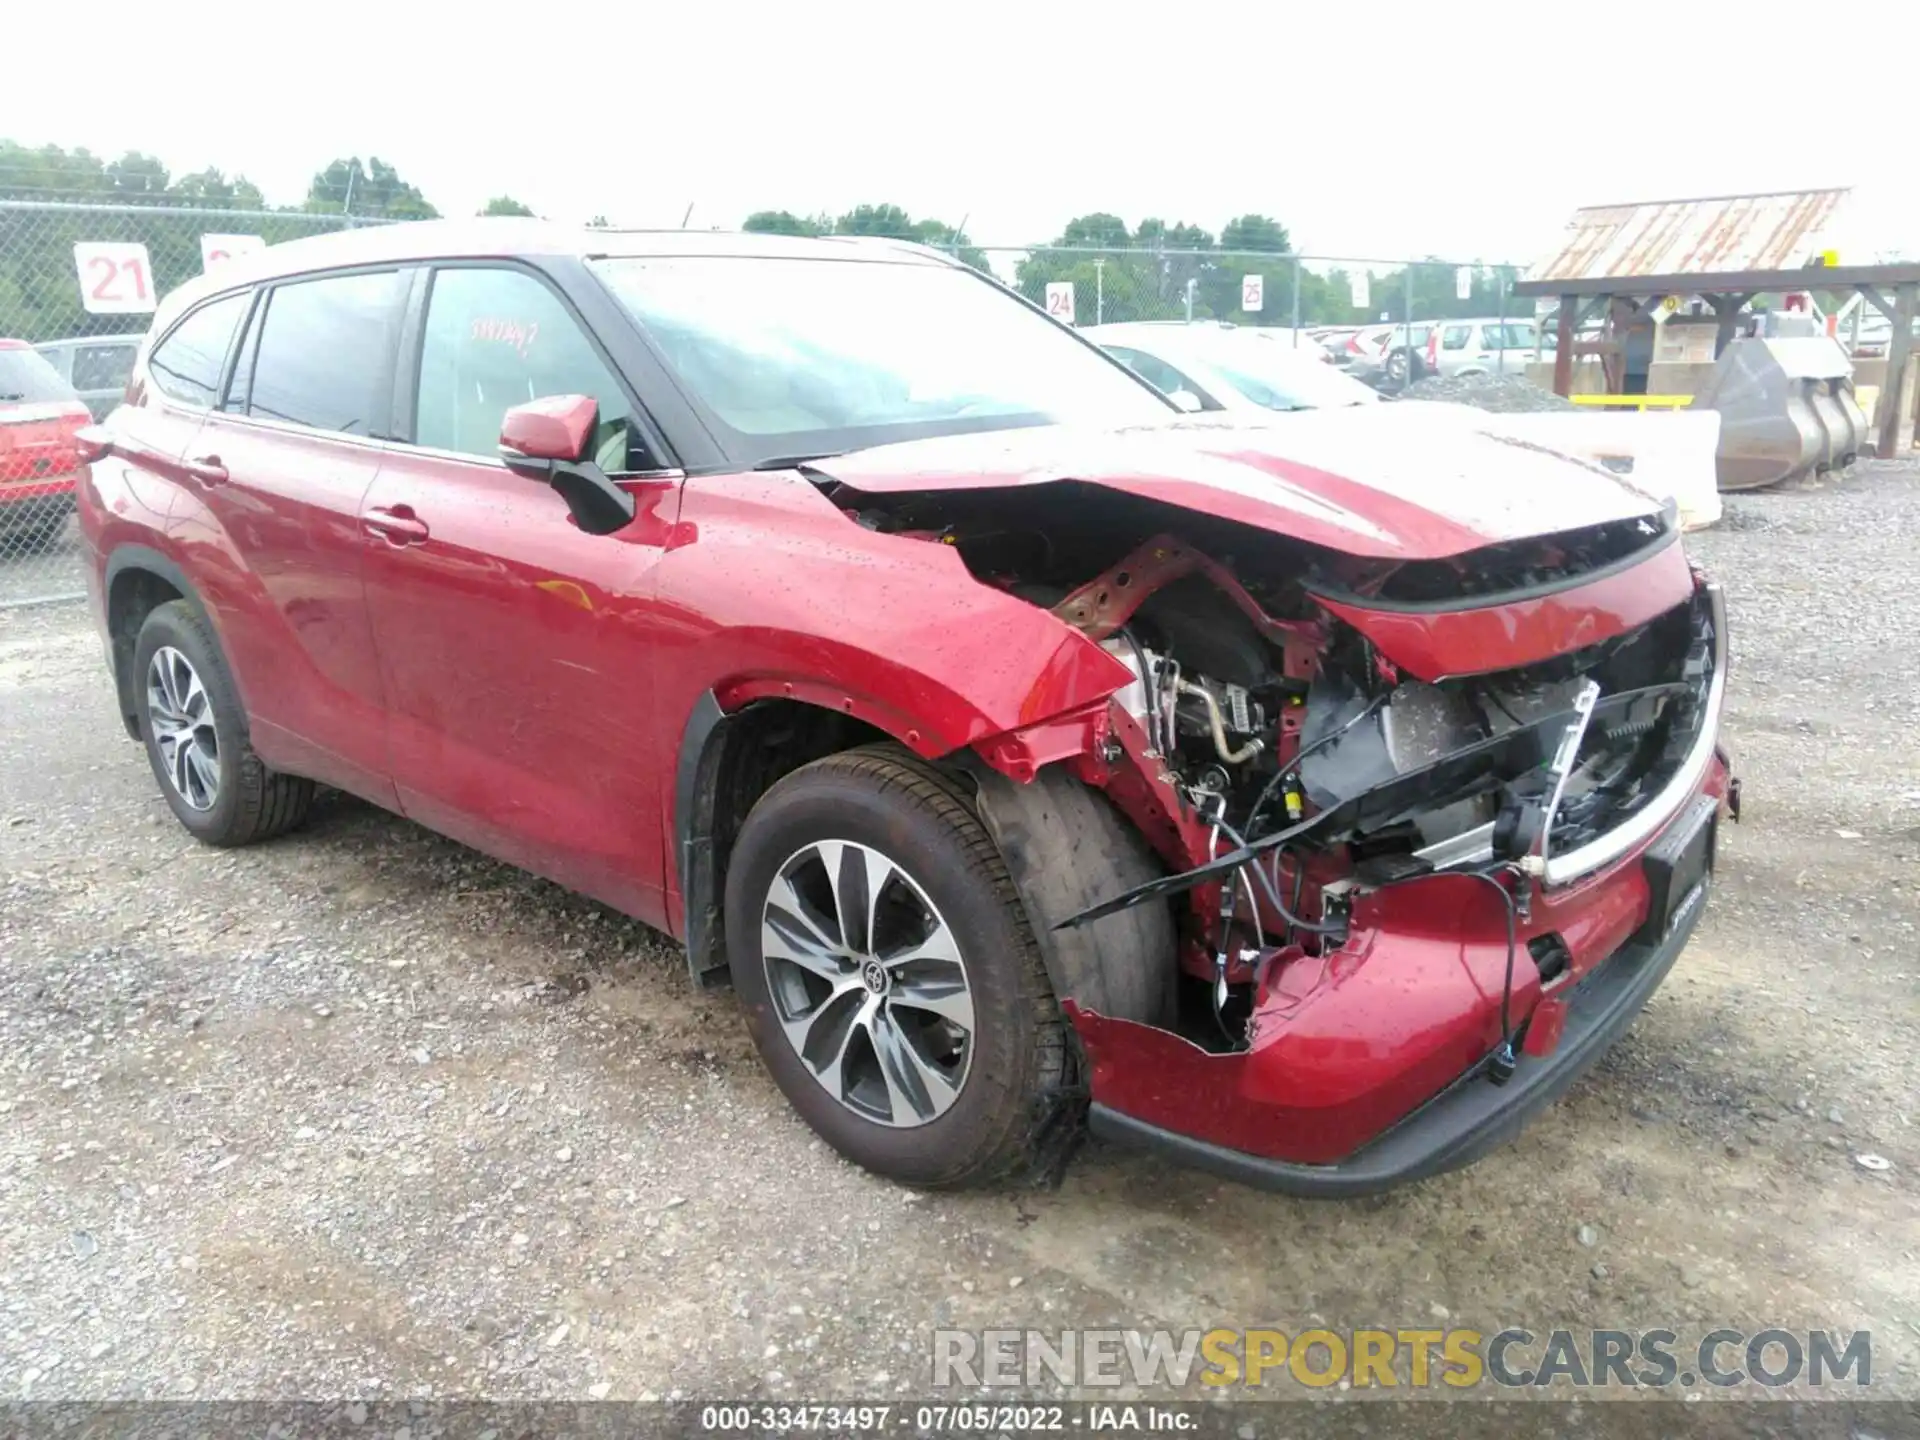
(195,732)
(944,1114)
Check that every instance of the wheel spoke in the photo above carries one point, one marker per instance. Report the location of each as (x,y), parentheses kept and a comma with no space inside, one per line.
(194,702)
(182,782)
(823,1034)
(205,774)
(940,991)
(916,1090)
(788,932)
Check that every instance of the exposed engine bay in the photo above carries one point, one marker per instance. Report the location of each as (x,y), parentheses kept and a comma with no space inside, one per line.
(1298,764)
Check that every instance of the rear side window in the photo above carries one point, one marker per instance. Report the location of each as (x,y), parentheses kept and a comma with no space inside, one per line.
(498,338)
(102,367)
(1454,337)
(27,379)
(186,365)
(324,357)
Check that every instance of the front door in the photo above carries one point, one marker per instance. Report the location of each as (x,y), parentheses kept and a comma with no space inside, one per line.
(516,649)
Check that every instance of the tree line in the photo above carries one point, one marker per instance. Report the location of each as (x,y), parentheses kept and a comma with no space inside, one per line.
(1155,270)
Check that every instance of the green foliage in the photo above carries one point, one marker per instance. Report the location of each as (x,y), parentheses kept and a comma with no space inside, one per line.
(39,284)
(888,222)
(348,187)
(505,205)
(785,222)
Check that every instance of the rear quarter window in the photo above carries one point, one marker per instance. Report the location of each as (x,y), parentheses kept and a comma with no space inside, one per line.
(186,366)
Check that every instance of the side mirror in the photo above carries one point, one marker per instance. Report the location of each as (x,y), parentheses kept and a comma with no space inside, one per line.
(1185,401)
(547,440)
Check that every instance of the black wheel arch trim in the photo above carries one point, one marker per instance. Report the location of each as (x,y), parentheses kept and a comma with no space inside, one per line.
(144,559)
(702,748)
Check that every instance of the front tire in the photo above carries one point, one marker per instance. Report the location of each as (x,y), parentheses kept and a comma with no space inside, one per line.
(890,976)
(195,732)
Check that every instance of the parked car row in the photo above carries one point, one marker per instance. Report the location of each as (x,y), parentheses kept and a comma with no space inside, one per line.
(1390,357)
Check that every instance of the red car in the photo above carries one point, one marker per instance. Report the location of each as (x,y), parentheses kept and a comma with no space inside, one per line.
(1311,801)
(39,457)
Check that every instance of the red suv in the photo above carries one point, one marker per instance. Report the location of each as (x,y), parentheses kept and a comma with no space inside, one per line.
(1311,801)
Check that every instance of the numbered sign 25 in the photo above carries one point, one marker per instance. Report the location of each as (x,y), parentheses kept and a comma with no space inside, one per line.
(1060,300)
(116,278)
(218,249)
(1253,293)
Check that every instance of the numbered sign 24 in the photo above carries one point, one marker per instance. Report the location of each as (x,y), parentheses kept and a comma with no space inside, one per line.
(217,249)
(1060,300)
(116,278)
(1253,293)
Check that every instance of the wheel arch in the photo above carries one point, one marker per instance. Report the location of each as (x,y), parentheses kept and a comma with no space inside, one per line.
(138,580)
(1064,844)
(727,760)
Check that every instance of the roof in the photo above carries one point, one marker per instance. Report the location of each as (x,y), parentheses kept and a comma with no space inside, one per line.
(501,237)
(1725,234)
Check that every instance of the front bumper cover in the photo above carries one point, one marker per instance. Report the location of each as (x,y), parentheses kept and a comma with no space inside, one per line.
(1471,1116)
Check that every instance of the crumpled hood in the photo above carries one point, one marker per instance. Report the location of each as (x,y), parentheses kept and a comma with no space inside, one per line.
(1394,482)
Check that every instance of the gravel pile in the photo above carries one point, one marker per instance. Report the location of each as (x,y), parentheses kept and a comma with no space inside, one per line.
(1510,394)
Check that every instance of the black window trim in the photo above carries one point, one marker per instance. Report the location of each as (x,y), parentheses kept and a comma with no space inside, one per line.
(405,389)
(383,386)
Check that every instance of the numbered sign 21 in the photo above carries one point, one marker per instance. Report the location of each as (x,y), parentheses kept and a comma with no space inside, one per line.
(116,277)
(217,249)
(1253,293)
(1060,300)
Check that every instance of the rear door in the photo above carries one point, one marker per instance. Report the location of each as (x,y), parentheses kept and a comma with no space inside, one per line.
(168,401)
(516,649)
(271,510)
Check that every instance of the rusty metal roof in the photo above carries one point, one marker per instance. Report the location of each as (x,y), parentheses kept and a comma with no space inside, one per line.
(1719,236)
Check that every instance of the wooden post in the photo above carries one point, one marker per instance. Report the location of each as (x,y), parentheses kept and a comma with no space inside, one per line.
(1899,354)
(1563,348)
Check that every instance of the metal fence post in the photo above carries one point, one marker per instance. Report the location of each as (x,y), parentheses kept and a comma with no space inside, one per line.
(1193,283)
(1099,289)
(1500,289)
(1406,320)
(1296,302)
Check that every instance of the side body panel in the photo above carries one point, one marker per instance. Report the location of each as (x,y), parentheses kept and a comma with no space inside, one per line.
(770,592)
(519,660)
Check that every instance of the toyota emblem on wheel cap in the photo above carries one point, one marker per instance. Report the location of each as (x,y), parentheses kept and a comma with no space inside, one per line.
(874,976)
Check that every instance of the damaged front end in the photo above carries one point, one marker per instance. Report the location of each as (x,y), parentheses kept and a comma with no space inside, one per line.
(1431,829)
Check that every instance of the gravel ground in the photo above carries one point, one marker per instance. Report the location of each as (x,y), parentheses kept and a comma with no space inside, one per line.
(363,1114)
(1510,394)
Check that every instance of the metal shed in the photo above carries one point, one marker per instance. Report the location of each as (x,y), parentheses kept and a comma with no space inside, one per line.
(1726,250)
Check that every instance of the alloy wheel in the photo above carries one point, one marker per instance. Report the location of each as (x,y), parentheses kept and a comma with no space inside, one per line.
(868,983)
(180,717)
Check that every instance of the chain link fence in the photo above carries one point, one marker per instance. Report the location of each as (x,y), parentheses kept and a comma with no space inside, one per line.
(78,283)
(1245,287)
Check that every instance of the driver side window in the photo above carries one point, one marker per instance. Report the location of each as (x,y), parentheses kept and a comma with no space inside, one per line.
(499,338)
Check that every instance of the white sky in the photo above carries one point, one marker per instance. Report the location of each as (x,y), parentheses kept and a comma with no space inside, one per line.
(1378,130)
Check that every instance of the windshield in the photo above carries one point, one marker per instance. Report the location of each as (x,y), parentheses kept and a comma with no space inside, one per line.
(792,357)
(27,379)
(1271,373)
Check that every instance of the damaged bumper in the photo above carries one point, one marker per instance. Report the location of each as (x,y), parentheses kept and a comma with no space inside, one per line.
(1464,1121)
(1369,1067)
